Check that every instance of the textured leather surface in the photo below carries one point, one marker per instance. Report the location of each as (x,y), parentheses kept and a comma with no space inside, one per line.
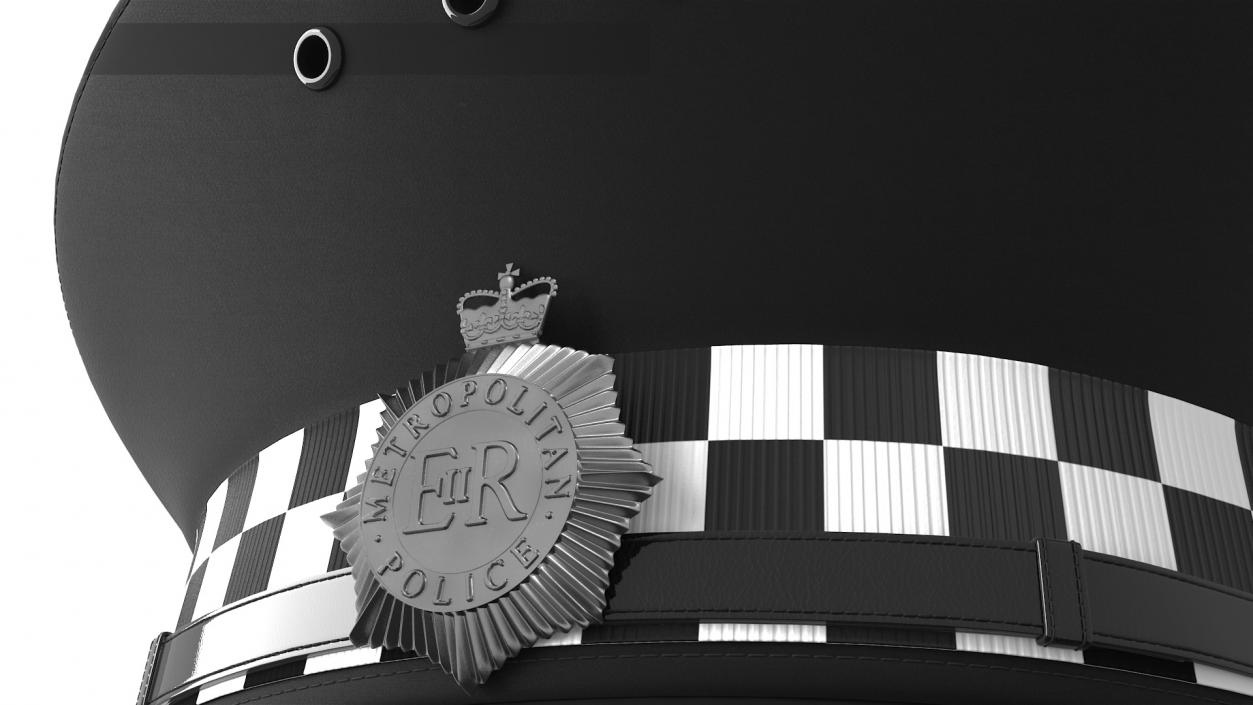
(671,582)
(854,578)
(931,582)
(1139,607)
(1063,595)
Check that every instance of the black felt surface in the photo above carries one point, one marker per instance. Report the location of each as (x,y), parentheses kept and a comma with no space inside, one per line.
(1065,183)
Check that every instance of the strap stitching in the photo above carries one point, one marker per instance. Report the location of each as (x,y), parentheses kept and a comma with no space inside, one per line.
(1050,619)
(705,538)
(772,610)
(1075,550)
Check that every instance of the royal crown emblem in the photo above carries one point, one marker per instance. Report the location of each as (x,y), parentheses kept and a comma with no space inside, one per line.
(499,490)
(509,315)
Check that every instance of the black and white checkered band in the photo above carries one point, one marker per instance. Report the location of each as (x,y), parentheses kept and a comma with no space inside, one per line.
(797,438)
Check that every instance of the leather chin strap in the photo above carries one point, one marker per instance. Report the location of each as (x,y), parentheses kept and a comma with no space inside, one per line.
(1050,590)
(1047,589)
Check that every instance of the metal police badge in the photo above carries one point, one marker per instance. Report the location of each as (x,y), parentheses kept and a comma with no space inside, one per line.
(499,490)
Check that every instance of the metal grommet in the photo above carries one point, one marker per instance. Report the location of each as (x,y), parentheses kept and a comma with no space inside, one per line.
(317,58)
(470,13)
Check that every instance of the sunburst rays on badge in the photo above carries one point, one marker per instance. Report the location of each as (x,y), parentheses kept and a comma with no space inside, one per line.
(567,589)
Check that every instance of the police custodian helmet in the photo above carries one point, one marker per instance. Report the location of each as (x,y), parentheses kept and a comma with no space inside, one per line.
(553,350)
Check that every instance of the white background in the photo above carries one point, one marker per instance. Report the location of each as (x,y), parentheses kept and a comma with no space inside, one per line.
(93,567)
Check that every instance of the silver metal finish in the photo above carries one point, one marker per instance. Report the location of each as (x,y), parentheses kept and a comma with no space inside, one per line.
(482,487)
(490,514)
(498,492)
(328,70)
(509,315)
(480,15)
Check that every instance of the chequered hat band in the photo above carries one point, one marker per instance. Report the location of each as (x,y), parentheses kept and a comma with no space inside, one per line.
(811,439)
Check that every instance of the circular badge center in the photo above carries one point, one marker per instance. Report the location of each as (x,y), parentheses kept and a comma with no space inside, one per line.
(468,490)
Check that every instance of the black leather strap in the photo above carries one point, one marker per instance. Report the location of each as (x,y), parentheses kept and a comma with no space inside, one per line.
(1063,601)
(1050,590)
(1138,607)
(848,578)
